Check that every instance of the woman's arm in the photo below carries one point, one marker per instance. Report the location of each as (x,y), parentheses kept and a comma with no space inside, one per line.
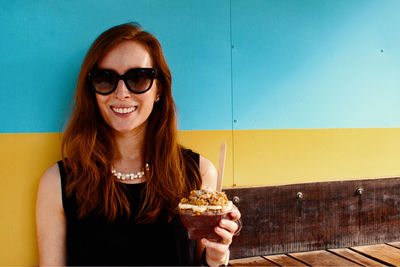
(216,252)
(208,174)
(50,219)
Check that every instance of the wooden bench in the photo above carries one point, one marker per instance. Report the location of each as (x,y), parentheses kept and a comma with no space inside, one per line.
(332,218)
(370,255)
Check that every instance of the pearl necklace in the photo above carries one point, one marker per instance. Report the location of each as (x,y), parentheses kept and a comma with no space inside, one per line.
(129,176)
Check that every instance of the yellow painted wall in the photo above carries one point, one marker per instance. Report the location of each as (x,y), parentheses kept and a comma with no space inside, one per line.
(23,157)
(254,157)
(207,143)
(273,157)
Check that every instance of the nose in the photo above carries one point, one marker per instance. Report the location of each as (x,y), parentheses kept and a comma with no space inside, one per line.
(122,91)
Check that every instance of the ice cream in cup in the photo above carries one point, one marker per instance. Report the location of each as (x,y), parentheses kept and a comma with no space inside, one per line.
(201,212)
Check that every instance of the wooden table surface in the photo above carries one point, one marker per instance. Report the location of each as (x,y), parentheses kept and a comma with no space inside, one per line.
(372,255)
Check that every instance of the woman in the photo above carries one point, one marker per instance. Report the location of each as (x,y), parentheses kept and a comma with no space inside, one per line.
(112,200)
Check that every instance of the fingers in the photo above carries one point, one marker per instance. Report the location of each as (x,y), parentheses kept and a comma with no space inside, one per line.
(229,225)
(226,235)
(226,230)
(235,214)
(217,247)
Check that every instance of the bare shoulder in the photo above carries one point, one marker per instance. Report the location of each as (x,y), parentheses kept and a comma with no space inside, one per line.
(49,190)
(51,173)
(50,179)
(208,173)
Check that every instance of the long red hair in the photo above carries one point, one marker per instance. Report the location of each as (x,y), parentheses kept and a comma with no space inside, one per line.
(88,145)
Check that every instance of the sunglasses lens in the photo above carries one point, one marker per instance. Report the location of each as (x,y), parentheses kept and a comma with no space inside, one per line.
(139,80)
(103,81)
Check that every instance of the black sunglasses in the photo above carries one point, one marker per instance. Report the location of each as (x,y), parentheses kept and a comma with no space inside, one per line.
(137,80)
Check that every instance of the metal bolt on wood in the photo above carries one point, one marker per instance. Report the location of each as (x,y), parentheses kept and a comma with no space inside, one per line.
(235,200)
(359,191)
(299,195)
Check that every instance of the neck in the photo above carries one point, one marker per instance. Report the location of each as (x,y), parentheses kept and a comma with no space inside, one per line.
(130,148)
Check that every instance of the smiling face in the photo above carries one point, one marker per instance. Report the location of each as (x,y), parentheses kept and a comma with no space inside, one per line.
(122,110)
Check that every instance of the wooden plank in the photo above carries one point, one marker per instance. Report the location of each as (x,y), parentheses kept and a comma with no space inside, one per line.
(330,215)
(284,260)
(395,244)
(322,258)
(356,257)
(252,261)
(383,252)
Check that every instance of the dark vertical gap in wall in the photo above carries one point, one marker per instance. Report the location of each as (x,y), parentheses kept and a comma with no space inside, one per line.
(232,118)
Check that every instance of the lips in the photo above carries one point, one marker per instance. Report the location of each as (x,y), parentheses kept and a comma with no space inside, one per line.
(123,110)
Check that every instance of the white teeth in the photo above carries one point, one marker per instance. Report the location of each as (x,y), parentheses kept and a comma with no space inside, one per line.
(123,110)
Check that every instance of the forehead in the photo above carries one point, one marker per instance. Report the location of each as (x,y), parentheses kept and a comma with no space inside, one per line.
(124,56)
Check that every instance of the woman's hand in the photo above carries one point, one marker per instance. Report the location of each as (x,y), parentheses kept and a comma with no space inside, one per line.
(216,250)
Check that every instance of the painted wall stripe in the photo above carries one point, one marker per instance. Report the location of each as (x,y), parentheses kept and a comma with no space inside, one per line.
(262,157)
(285,64)
(315,64)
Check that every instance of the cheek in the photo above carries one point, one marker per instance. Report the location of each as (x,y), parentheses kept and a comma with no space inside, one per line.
(100,101)
(147,98)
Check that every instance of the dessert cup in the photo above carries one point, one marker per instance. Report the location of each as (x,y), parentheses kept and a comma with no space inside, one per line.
(202,225)
(201,212)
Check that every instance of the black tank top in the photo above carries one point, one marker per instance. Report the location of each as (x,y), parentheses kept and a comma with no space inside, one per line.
(93,240)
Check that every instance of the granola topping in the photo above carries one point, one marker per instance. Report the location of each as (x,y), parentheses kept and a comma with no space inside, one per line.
(205,201)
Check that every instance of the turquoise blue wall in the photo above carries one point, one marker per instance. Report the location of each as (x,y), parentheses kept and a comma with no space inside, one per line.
(239,64)
(316,64)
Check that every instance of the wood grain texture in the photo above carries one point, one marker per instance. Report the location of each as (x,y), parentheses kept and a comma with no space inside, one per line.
(252,261)
(383,252)
(395,244)
(284,260)
(322,258)
(330,215)
(356,257)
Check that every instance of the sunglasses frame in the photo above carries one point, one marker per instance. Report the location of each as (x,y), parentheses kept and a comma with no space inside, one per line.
(120,77)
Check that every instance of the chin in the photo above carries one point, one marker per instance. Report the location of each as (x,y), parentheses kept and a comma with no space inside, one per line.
(124,129)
